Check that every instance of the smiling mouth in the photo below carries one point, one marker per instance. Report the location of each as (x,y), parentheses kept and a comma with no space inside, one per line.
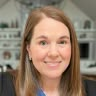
(52,63)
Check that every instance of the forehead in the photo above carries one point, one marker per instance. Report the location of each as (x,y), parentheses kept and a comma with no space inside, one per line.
(50,26)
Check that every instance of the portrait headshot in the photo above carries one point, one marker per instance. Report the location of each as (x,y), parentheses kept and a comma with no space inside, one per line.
(49,59)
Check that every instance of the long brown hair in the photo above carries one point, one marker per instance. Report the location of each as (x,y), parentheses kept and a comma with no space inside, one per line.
(28,76)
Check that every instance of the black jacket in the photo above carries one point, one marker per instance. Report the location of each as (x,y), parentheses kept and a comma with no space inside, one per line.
(90,87)
(7,86)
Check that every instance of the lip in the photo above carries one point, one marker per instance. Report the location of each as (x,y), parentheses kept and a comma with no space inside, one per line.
(52,63)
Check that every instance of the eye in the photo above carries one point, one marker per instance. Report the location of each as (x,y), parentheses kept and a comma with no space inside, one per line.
(62,42)
(43,43)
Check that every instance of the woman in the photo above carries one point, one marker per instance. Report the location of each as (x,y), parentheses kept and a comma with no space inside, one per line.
(47,28)
(49,57)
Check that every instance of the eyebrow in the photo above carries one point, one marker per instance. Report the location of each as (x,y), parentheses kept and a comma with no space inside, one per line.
(66,37)
(42,36)
(62,37)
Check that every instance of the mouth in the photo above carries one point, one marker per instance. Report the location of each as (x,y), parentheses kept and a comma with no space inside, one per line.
(52,63)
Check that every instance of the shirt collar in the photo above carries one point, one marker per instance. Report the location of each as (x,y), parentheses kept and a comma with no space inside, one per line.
(40,93)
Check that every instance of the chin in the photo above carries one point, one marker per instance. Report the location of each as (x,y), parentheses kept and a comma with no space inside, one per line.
(53,76)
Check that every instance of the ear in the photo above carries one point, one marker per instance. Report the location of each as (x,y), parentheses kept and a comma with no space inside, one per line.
(29,51)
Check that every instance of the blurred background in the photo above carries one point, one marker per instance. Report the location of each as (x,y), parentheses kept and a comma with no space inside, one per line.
(13,15)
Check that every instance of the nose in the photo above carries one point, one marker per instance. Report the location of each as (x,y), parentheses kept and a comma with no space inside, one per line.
(53,51)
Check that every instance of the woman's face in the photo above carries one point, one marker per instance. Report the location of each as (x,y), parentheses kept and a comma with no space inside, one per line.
(50,48)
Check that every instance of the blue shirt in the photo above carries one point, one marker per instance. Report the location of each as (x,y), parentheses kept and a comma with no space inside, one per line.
(40,93)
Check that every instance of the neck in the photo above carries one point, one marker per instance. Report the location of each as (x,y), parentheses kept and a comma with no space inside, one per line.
(50,86)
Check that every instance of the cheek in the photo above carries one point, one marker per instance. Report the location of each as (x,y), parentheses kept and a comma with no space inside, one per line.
(66,52)
(37,53)
(38,56)
(66,56)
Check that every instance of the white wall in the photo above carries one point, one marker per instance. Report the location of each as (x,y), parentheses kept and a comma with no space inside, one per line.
(74,13)
(10,12)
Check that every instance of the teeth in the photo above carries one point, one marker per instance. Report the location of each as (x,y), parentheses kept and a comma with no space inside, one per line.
(52,62)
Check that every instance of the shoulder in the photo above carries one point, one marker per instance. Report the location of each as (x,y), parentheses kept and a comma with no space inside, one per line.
(7,87)
(90,87)
(8,76)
